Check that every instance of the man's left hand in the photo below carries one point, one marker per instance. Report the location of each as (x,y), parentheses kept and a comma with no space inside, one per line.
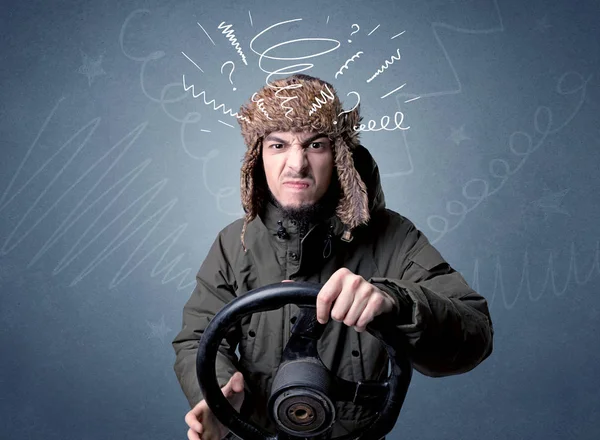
(355,301)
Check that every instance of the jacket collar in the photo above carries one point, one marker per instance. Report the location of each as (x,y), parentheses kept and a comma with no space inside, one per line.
(272,216)
(267,224)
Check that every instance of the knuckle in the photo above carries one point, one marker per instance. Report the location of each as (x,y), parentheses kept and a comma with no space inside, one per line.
(338,316)
(363,294)
(343,271)
(355,281)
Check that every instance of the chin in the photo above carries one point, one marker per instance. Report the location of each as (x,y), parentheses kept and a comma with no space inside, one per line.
(297,203)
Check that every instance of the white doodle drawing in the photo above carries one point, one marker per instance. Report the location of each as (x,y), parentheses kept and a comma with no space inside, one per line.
(573,277)
(230,73)
(80,209)
(435,27)
(458,135)
(250,15)
(547,204)
(212,102)
(357,29)
(385,120)
(550,202)
(320,102)
(158,330)
(193,62)
(376,27)
(190,118)
(345,66)
(395,90)
(287,69)
(225,123)
(211,40)
(261,106)
(228,32)
(500,168)
(91,67)
(397,35)
(348,111)
(385,66)
(412,99)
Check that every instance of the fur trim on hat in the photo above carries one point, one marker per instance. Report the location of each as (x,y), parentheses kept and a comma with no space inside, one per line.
(302,103)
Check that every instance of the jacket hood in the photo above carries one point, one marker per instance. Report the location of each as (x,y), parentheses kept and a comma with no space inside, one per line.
(369,172)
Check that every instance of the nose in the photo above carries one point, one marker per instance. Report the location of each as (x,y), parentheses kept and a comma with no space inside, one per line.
(297,159)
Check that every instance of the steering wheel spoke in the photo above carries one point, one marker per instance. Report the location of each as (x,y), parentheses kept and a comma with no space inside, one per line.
(360,393)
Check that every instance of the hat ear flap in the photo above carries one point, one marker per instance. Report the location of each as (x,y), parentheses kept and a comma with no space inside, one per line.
(350,126)
(247,181)
(353,207)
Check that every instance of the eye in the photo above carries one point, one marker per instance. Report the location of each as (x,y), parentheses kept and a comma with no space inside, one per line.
(318,145)
(276,146)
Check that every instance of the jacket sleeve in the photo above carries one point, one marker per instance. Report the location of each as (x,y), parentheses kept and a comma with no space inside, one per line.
(447,324)
(215,287)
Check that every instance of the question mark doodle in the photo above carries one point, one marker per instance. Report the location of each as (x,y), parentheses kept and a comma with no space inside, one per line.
(357,29)
(348,111)
(230,73)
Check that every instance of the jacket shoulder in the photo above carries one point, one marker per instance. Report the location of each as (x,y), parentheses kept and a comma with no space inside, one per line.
(230,237)
(399,238)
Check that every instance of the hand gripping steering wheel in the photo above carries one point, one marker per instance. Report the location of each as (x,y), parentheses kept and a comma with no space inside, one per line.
(304,390)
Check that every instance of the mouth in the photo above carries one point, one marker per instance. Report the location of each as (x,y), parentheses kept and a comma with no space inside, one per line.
(296,184)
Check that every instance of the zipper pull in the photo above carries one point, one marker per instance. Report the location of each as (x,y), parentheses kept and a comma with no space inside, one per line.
(327,247)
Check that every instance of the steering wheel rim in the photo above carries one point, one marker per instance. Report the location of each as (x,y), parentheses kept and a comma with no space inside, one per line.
(302,294)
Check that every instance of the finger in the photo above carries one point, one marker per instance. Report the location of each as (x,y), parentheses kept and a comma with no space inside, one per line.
(193,435)
(326,297)
(374,308)
(237,382)
(195,425)
(351,284)
(193,418)
(361,299)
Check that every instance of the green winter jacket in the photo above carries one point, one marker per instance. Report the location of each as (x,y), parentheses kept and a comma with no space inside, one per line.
(446,323)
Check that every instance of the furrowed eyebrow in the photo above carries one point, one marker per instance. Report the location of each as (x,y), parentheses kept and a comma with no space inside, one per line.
(308,141)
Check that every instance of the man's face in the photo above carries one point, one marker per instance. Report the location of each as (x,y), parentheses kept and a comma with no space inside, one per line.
(298,166)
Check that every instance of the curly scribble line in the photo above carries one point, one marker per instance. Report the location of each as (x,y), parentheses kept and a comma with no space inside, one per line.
(261,106)
(500,168)
(345,66)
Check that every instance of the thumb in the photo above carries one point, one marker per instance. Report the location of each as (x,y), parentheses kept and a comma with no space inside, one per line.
(287,281)
(235,385)
(237,382)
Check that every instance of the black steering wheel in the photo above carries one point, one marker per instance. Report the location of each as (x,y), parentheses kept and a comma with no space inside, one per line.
(304,390)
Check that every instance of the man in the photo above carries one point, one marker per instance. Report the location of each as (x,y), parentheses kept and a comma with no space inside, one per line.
(315,211)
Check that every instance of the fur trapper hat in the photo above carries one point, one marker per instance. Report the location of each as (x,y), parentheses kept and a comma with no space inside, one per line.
(302,103)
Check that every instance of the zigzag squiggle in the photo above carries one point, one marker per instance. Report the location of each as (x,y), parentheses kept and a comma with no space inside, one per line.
(212,101)
(385,66)
(231,37)
(549,279)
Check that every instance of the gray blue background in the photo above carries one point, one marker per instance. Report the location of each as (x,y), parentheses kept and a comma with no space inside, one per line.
(114,182)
